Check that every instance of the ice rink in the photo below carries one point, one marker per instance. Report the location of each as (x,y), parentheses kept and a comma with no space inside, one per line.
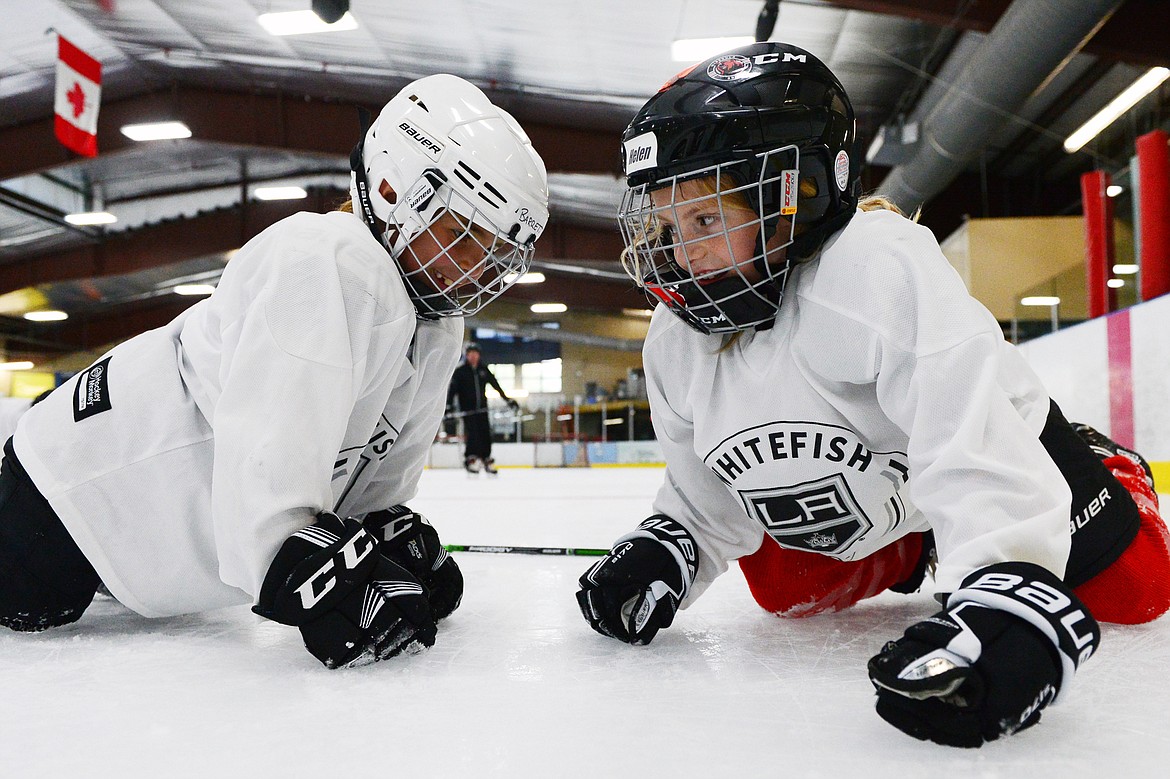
(518,685)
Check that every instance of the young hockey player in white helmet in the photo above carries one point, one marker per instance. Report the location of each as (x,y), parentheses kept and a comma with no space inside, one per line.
(834,408)
(260,447)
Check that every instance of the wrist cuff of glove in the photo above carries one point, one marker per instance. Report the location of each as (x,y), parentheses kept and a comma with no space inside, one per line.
(1039,597)
(677,540)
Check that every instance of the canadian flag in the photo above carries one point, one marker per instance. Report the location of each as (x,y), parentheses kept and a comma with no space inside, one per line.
(79,90)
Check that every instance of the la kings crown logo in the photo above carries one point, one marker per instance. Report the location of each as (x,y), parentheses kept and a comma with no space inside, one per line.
(818,514)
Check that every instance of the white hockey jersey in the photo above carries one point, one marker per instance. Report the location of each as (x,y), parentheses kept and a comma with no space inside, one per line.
(884,401)
(182,459)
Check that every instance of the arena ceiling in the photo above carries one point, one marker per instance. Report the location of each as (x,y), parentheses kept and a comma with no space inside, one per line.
(282,110)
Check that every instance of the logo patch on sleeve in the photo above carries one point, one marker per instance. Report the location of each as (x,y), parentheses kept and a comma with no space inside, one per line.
(92,394)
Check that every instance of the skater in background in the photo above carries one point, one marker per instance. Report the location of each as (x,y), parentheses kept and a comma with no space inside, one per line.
(467,400)
(260,447)
(839,415)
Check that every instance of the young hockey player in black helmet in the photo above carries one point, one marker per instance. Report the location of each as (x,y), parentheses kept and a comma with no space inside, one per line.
(834,408)
(467,398)
(259,448)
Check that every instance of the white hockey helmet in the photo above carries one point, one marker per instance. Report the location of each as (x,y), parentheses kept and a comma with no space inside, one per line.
(444,147)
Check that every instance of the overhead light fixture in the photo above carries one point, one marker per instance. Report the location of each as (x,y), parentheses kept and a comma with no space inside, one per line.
(613,421)
(1124,270)
(548,308)
(279,193)
(1116,107)
(695,49)
(643,313)
(1116,283)
(194,289)
(1113,190)
(18,365)
(1040,300)
(46,316)
(303,23)
(87,218)
(156,131)
(564,417)
(531,277)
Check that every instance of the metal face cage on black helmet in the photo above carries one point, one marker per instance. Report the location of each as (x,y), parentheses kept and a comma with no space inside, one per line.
(740,114)
(710,245)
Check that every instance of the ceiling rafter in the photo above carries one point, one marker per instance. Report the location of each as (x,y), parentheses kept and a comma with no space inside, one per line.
(276,120)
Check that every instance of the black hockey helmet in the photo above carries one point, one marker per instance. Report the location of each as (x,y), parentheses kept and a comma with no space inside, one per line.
(769,118)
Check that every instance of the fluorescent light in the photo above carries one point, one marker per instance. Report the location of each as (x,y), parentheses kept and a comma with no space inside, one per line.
(531,277)
(1113,190)
(1117,106)
(695,49)
(1116,283)
(194,289)
(303,23)
(613,421)
(638,312)
(549,308)
(91,218)
(19,365)
(156,131)
(1124,270)
(46,316)
(279,193)
(1040,300)
(564,417)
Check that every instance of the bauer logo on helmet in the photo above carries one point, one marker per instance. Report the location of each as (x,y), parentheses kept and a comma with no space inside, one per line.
(431,147)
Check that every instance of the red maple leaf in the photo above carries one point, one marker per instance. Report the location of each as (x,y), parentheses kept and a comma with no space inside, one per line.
(76,96)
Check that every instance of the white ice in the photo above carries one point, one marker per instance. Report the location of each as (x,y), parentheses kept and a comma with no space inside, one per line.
(518,685)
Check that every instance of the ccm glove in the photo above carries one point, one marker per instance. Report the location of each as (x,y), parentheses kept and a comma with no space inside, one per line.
(634,591)
(1006,646)
(407,538)
(352,605)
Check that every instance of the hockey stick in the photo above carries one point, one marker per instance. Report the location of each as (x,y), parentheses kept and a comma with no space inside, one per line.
(542,550)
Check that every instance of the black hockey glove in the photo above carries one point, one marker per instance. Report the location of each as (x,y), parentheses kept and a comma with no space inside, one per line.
(410,540)
(513,405)
(634,591)
(1006,646)
(352,605)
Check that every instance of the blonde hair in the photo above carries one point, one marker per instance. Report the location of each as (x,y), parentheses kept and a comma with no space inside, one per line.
(345,206)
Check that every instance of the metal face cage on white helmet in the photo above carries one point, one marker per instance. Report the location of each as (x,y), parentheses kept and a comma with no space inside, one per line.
(445,149)
(668,249)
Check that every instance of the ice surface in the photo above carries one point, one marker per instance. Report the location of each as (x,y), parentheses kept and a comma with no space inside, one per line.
(518,685)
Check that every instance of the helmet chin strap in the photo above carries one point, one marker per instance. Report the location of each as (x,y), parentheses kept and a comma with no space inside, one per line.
(360,184)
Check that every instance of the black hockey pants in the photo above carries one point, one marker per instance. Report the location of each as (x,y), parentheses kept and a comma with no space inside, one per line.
(45,580)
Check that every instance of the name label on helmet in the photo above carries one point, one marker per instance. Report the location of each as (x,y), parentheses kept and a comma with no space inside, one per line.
(432,148)
(641,152)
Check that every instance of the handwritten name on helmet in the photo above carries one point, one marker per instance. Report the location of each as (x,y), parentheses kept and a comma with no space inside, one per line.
(431,147)
(528,221)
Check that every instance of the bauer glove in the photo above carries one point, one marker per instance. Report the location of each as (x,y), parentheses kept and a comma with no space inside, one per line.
(352,605)
(1006,646)
(635,590)
(407,538)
